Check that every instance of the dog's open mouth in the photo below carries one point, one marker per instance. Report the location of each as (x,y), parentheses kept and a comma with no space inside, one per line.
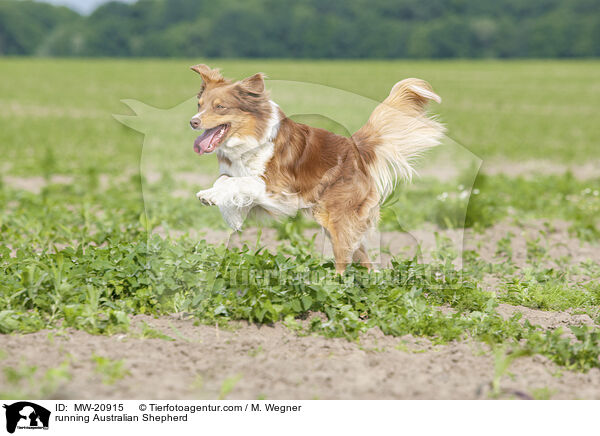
(210,139)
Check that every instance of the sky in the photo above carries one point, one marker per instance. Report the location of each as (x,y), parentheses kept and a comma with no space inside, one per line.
(82,6)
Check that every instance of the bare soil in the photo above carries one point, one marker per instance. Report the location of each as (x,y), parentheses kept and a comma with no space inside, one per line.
(35,184)
(439,169)
(531,168)
(273,362)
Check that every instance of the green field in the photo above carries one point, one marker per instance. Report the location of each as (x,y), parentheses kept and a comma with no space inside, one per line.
(77,248)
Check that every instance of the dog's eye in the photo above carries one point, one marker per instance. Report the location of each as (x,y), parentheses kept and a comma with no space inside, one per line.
(219,106)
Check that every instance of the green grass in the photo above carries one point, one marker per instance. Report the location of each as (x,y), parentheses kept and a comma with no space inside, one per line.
(77,254)
(26,381)
(512,110)
(109,370)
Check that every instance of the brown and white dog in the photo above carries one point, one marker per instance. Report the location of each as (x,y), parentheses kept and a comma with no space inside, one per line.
(266,160)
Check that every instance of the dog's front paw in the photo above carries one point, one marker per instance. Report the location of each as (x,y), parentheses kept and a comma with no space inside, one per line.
(206,197)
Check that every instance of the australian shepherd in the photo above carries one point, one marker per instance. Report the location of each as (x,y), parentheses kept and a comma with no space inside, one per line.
(266,160)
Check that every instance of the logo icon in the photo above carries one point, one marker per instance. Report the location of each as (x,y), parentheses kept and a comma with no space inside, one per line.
(26,415)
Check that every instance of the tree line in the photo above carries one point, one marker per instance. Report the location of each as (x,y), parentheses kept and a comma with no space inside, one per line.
(306,29)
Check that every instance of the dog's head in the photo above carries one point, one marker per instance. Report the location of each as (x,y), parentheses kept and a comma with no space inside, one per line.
(229,110)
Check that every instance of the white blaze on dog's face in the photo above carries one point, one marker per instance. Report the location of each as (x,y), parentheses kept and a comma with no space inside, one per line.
(229,109)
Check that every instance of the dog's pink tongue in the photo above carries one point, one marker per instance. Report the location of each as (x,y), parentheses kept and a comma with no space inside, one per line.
(203,142)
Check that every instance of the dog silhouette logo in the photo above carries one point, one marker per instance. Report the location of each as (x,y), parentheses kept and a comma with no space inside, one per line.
(26,415)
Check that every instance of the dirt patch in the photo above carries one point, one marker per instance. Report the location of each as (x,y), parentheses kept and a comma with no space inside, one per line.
(531,168)
(552,237)
(108,180)
(438,168)
(37,183)
(182,193)
(196,180)
(273,362)
(545,319)
(18,109)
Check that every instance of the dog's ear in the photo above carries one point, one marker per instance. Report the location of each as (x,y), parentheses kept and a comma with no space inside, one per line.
(209,75)
(254,84)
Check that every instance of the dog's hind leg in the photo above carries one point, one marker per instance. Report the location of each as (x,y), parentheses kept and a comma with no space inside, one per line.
(361,255)
(347,211)
(347,235)
(342,249)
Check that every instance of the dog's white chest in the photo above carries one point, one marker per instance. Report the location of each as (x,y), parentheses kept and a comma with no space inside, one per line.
(251,162)
(242,163)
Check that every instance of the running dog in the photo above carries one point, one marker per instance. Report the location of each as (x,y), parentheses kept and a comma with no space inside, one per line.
(267,160)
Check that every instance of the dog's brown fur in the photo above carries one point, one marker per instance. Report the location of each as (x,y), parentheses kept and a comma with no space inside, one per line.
(344,180)
(328,171)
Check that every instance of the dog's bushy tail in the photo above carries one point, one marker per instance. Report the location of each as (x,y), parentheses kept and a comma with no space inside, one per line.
(397,132)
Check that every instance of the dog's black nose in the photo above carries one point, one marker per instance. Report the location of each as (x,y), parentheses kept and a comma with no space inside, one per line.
(194,123)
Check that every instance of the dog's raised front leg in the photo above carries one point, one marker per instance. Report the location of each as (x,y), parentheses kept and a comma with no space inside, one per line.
(209,197)
(206,197)
(234,196)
